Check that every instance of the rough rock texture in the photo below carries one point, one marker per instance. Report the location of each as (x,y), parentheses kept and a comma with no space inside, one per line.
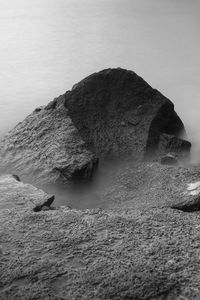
(149,185)
(111,113)
(46,147)
(144,242)
(15,193)
(118,113)
(132,251)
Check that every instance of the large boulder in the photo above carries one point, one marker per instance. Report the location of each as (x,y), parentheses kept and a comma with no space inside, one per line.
(113,113)
(117,113)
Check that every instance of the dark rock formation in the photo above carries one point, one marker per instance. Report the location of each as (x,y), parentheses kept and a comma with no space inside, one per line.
(113,113)
(16,177)
(117,113)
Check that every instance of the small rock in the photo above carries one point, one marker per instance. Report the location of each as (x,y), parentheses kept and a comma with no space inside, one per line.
(44,206)
(38,109)
(52,104)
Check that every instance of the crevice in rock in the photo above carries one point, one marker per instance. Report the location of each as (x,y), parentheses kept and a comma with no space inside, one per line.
(52,104)
(84,173)
(166,121)
(16,177)
(192,206)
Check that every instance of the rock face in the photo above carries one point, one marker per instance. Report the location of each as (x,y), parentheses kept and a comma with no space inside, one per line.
(113,113)
(131,251)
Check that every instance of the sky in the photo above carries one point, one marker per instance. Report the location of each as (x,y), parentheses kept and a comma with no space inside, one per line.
(47,46)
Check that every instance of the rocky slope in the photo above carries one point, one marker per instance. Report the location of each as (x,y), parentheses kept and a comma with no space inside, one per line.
(132,251)
(113,113)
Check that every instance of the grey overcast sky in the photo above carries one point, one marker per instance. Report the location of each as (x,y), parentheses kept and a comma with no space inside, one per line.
(48,45)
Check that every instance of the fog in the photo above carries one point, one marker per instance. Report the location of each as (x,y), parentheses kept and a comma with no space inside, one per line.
(93,193)
(49,45)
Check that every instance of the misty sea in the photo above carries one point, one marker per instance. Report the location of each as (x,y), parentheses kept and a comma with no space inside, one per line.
(49,45)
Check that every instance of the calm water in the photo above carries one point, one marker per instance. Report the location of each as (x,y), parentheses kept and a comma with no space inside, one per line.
(48,45)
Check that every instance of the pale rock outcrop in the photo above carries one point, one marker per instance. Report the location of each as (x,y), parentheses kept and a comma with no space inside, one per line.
(127,252)
(46,148)
(15,193)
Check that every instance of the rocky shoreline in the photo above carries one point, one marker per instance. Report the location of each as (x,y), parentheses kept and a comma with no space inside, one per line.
(145,251)
(144,242)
